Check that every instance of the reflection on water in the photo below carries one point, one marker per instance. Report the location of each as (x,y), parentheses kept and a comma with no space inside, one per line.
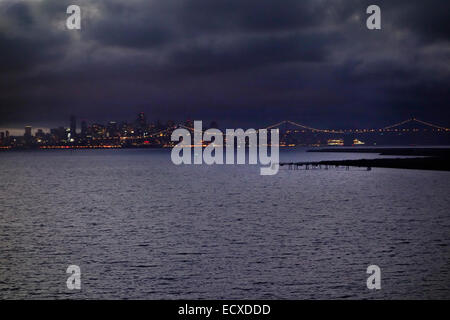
(140,227)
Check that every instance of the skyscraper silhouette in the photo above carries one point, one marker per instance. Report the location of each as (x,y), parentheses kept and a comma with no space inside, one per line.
(83,128)
(73,126)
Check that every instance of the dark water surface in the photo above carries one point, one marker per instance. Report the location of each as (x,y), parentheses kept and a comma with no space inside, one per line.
(141,227)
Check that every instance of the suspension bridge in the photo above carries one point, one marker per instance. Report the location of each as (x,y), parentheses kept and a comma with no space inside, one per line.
(390,128)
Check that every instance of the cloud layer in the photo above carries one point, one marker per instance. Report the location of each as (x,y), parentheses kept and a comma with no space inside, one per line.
(241,62)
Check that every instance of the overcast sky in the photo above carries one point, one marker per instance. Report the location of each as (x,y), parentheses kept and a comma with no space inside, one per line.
(243,63)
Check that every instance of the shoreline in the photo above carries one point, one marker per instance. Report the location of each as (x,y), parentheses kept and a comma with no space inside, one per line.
(394,151)
(436,159)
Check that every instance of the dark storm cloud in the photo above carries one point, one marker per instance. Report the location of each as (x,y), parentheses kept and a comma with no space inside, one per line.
(24,40)
(428,18)
(154,23)
(237,61)
(249,52)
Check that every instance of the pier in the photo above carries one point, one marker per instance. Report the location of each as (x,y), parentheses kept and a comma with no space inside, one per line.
(325,165)
(425,159)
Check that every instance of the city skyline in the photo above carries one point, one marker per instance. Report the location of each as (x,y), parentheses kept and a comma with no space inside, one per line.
(79,125)
(142,132)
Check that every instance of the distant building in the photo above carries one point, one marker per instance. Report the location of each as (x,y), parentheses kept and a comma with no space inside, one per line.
(27,136)
(69,135)
(124,129)
(28,132)
(40,136)
(170,124)
(73,126)
(142,120)
(84,128)
(98,130)
(141,124)
(58,134)
(112,129)
(40,133)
